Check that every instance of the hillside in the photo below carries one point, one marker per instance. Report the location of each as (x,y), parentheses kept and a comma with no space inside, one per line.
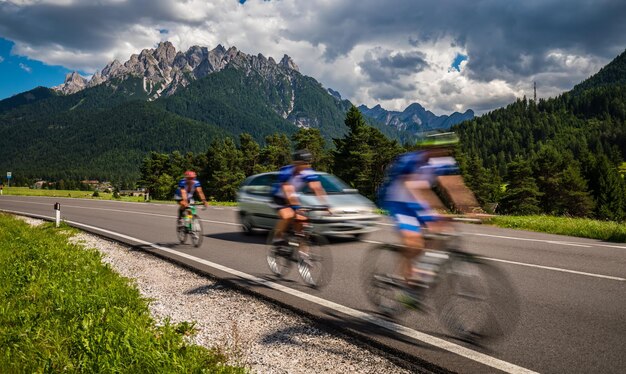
(559,156)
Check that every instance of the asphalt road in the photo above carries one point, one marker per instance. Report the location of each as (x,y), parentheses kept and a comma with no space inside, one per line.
(572,290)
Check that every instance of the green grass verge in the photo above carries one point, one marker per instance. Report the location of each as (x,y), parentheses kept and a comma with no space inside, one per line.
(580,227)
(61,309)
(25,191)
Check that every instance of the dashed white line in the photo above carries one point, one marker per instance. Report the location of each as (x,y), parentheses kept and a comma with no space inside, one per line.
(366,317)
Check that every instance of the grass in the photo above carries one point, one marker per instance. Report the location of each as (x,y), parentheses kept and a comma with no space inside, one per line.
(61,309)
(25,191)
(580,227)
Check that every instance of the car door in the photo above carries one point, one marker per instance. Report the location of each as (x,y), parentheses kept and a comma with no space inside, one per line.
(258,194)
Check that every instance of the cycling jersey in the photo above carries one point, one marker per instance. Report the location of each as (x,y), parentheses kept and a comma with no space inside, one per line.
(189,187)
(299,181)
(395,197)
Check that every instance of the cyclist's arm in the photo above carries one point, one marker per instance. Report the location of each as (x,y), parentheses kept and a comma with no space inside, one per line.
(318,190)
(183,195)
(201,194)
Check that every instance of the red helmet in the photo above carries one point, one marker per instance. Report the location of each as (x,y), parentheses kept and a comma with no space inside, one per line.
(190,174)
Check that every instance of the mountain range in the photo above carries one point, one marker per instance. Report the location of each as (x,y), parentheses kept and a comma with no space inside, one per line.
(415,119)
(165,100)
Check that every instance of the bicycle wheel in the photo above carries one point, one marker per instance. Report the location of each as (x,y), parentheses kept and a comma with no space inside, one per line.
(196,232)
(278,257)
(475,300)
(181,232)
(316,267)
(379,277)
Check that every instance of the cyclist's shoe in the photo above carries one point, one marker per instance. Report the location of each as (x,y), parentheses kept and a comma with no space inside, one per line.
(279,243)
(411,299)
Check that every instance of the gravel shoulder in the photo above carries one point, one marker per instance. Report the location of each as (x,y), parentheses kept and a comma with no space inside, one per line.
(254,333)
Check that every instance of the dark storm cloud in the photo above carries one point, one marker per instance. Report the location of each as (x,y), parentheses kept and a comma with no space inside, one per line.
(496,34)
(83,26)
(382,65)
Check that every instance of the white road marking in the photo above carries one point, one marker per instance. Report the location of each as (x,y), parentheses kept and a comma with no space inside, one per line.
(377,242)
(556,269)
(127,211)
(366,317)
(610,277)
(533,240)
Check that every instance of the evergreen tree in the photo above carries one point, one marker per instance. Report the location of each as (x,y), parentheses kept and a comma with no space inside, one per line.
(610,192)
(250,152)
(224,171)
(276,153)
(312,140)
(362,155)
(522,195)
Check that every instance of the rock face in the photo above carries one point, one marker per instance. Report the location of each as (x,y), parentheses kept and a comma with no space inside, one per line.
(73,83)
(164,70)
(415,118)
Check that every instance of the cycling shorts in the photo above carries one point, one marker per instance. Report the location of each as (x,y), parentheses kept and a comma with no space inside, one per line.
(280,202)
(410,216)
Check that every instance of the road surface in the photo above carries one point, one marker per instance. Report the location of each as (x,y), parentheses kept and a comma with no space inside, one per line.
(572,290)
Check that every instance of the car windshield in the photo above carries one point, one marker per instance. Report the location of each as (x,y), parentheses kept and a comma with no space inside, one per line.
(331,185)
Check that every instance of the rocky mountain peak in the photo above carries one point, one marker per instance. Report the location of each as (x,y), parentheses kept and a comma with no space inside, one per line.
(74,82)
(164,69)
(288,63)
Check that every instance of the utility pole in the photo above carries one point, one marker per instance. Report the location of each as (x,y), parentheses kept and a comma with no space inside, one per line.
(535,88)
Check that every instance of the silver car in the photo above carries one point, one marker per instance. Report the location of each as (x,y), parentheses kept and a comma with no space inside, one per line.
(352,213)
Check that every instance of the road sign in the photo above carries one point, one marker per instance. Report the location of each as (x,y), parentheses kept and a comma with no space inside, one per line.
(8,175)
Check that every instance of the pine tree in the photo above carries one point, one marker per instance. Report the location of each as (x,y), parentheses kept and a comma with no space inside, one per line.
(250,151)
(312,140)
(224,170)
(361,156)
(276,153)
(522,195)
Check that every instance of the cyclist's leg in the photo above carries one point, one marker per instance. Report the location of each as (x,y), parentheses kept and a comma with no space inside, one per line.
(408,226)
(285,214)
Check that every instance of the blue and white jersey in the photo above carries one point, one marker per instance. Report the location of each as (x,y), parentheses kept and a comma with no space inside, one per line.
(189,187)
(287,174)
(413,166)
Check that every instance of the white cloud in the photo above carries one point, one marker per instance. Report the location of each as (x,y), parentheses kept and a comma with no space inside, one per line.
(26,68)
(362,51)
(1,58)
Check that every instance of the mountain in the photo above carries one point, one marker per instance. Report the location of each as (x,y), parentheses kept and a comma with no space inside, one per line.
(162,100)
(414,119)
(164,71)
(159,100)
(612,74)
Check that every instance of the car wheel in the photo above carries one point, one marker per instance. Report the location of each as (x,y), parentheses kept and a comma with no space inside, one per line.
(358,236)
(246,224)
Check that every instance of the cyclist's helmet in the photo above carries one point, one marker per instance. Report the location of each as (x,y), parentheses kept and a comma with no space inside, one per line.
(440,140)
(302,156)
(190,174)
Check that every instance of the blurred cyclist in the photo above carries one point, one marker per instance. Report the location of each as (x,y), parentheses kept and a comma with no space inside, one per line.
(403,194)
(292,179)
(187,187)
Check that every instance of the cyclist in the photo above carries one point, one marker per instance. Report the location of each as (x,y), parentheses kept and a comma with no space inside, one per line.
(292,179)
(409,178)
(187,187)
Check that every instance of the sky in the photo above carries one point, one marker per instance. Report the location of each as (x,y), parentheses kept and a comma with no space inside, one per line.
(449,55)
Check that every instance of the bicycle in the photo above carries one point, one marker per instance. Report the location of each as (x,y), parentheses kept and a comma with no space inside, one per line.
(472,298)
(314,265)
(190,226)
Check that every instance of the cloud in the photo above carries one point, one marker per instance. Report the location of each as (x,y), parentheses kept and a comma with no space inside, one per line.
(1,58)
(383,65)
(396,51)
(26,68)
